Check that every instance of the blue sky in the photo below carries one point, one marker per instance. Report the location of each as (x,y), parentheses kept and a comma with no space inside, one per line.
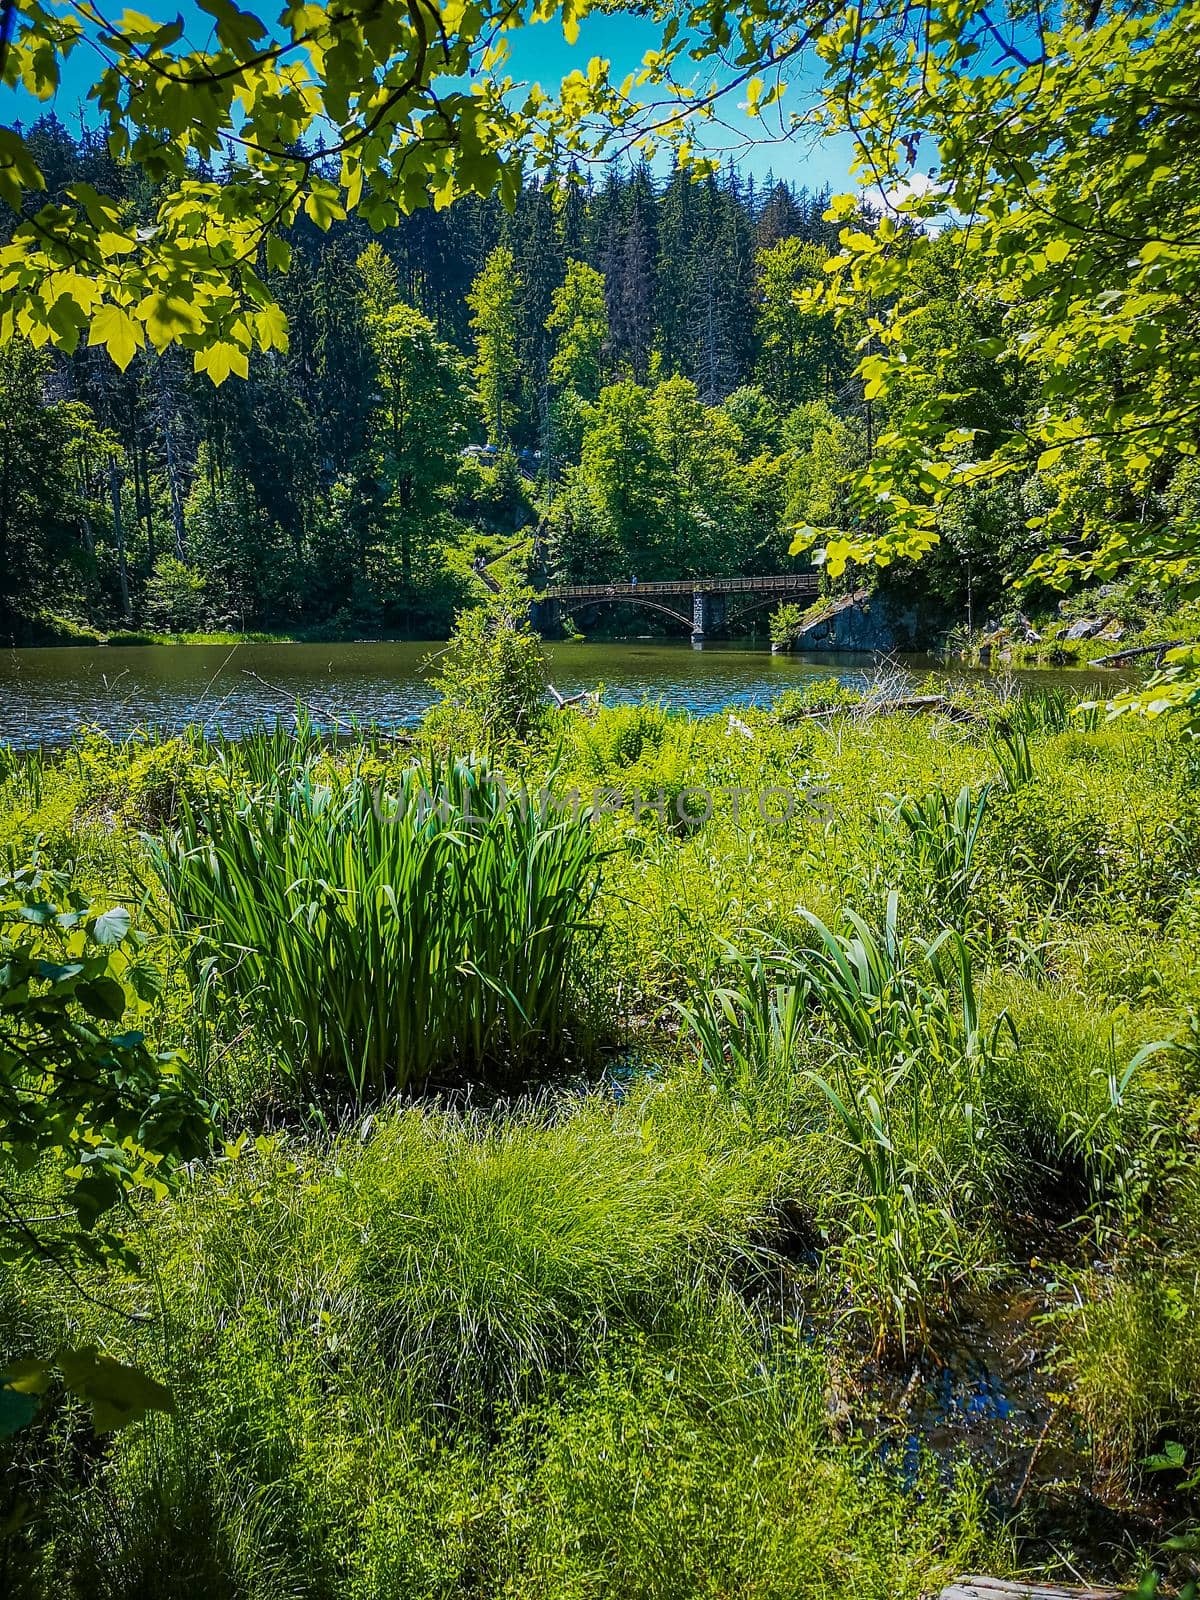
(541,53)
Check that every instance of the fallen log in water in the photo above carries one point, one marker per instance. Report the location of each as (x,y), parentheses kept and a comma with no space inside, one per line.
(1118,656)
(999,1589)
(914,703)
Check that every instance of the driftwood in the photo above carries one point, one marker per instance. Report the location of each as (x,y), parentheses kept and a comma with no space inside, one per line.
(914,704)
(563,701)
(998,1589)
(1118,656)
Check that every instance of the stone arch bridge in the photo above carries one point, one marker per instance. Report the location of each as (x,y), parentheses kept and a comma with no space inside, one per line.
(706,606)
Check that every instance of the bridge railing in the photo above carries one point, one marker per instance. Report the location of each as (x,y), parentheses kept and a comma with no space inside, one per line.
(785,582)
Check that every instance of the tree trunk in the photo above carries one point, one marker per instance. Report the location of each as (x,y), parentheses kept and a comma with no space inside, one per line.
(114,488)
(997,1589)
(176,497)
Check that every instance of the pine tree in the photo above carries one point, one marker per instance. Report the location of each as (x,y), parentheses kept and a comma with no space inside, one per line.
(629,274)
(676,291)
(782,216)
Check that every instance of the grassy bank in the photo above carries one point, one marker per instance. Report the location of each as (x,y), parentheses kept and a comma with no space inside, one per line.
(616,1195)
(57,631)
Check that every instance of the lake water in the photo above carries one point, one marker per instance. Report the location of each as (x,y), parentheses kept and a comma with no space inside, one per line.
(47,695)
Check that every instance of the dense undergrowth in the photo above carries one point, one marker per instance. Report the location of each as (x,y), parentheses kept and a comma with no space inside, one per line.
(737,1085)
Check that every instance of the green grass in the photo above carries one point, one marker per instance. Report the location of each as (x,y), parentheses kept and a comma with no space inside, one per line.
(620,1338)
(451,1354)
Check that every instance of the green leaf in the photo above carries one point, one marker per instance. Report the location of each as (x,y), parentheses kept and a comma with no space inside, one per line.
(323,205)
(28,1377)
(279,253)
(117,1394)
(110,927)
(17,1411)
(219,360)
(166,317)
(116,330)
(103,998)
(1172,1458)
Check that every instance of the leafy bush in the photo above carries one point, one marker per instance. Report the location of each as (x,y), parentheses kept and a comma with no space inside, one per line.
(818,694)
(491,677)
(620,739)
(175,596)
(784,623)
(92,1110)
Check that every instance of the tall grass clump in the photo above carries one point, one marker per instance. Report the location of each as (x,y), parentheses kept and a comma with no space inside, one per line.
(377,936)
(886,1031)
(1010,746)
(750,1032)
(496,1252)
(1048,711)
(940,837)
(1129,1336)
(907,1080)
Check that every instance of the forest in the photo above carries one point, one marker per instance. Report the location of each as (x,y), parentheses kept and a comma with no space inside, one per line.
(623,368)
(556,1147)
(624,359)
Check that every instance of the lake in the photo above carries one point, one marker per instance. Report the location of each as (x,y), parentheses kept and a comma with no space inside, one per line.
(47,695)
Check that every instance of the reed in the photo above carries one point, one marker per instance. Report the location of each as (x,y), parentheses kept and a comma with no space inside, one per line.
(377,936)
(940,836)
(907,1065)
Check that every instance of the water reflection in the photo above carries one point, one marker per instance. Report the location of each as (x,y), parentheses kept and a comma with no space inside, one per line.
(47,695)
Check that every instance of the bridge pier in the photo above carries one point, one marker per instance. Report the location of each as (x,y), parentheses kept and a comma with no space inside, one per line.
(708,614)
(545,616)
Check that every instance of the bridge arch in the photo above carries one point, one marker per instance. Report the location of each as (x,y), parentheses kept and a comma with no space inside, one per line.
(643,602)
(710,598)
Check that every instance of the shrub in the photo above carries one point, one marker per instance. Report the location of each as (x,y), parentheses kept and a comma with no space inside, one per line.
(175,596)
(818,694)
(622,737)
(77,1089)
(491,677)
(784,623)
